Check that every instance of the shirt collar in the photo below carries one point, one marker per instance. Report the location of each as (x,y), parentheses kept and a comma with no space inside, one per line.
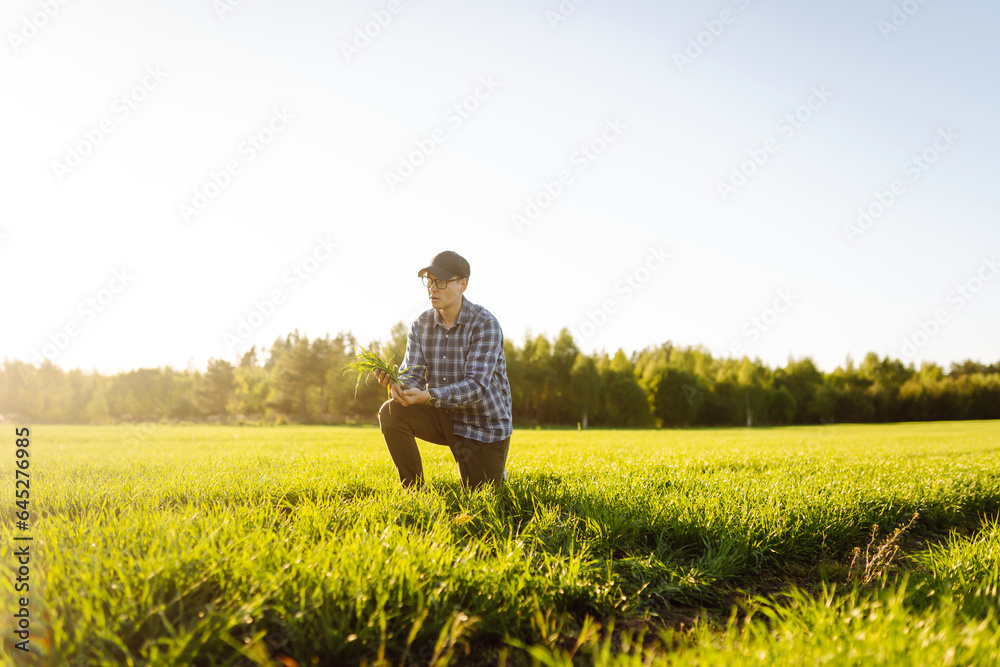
(463,315)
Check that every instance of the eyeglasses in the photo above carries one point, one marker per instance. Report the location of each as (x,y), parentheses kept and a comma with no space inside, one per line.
(440,284)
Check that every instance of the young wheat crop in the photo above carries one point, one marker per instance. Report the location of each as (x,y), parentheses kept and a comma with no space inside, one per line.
(366,362)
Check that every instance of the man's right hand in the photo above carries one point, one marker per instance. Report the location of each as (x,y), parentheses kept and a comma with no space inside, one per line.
(383,378)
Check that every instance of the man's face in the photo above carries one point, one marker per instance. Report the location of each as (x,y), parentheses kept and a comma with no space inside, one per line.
(444,297)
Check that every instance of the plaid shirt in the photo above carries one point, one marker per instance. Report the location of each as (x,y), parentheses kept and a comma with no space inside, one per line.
(464,369)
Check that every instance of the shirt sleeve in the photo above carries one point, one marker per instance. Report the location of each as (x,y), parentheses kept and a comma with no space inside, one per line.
(415,377)
(484,349)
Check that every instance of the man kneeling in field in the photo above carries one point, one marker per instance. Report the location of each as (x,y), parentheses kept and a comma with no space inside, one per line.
(455,390)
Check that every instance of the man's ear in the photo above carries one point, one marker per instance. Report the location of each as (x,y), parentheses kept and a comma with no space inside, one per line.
(463,283)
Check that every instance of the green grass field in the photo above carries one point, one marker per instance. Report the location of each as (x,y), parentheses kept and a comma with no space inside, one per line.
(199,545)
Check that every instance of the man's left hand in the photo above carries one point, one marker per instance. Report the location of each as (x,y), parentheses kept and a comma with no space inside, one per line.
(409,396)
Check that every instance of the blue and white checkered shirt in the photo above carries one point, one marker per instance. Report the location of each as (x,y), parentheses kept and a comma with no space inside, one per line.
(464,369)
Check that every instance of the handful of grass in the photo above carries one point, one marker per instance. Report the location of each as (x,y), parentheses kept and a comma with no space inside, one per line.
(366,362)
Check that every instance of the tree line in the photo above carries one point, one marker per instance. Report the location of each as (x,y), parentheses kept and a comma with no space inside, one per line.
(552,382)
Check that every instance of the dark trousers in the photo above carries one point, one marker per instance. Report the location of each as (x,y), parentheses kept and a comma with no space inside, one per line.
(479,463)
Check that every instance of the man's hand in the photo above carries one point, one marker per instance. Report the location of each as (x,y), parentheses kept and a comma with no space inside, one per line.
(409,396)
(383,378)
(400,395)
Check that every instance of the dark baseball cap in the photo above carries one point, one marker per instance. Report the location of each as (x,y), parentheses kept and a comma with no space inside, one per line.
(446,265)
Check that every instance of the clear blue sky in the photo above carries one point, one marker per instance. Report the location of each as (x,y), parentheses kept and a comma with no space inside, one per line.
(117,113)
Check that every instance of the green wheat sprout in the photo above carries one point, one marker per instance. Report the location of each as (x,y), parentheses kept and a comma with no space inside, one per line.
(366,362)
